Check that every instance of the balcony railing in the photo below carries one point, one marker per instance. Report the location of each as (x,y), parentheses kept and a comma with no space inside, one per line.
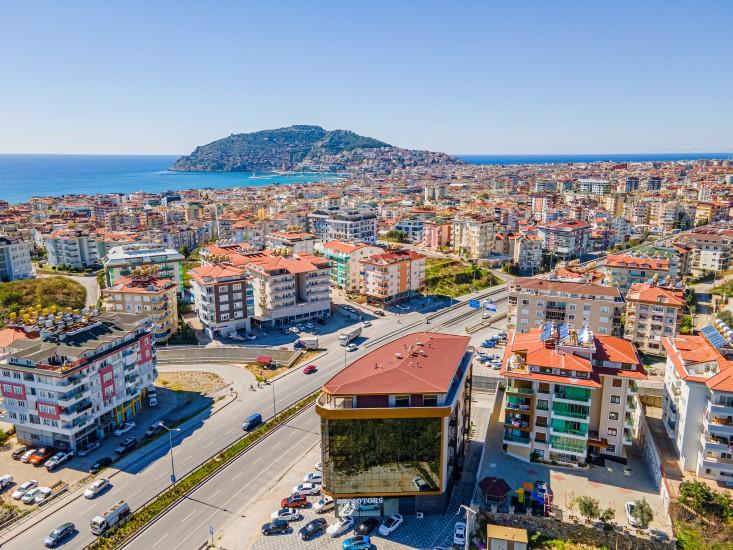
(517,439)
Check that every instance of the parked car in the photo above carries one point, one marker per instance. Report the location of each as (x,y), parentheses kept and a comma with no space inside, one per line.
(5,480)
(306,489)
(379,312)
(459,533)
(420,484)
(90,448)
(286,514)
(366,526)
(341,526)
(294,501)
(629,506)
(23,489)
(352,347)
(276,527)
(153,429)
(20,451)
(41,455)
(60,534)
(390,525)
(43,494)
(313,477)
(58,459)
(538,491)
(126,446)
(318,466)
(30,496)
(359,542)
(312,528)
(26,456)
(96,488)
(310,369)
(325,504)
(309,326)
(488,344)
(294,330)
(127,427)
(100,464)
(251,337)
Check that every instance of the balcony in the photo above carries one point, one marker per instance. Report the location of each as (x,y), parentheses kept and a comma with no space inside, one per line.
(712,442)
(564,446)
(720,408)
(517,440)
(572,412)
(518,403)
(718,462)
(519,389)
(628,438)
(574,395)
(633,388)
(573,429)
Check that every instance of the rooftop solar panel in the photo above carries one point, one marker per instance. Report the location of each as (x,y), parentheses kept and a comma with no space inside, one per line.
(714,337)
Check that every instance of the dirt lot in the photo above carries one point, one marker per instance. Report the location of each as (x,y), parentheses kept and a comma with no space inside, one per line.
(189,381)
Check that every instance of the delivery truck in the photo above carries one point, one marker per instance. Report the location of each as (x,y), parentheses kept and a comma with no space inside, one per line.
(307,343)
(349,336)
(111,518)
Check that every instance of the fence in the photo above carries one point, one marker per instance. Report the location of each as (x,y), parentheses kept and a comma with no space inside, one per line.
(225,354)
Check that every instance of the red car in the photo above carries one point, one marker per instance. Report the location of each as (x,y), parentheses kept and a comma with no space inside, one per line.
(294,501)
(310,369)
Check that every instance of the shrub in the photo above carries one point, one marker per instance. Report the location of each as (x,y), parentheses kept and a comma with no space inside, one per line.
(588,507)
(643,512)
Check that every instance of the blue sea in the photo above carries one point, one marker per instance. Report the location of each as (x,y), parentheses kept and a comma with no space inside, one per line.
(25,176)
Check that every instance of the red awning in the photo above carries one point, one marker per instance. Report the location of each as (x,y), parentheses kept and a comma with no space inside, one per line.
(264,359)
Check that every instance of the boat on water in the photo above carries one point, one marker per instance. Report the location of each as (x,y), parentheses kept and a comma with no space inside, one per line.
(254,176)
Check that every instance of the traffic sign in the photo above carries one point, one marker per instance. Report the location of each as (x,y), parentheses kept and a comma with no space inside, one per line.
(490,307)
(474,304)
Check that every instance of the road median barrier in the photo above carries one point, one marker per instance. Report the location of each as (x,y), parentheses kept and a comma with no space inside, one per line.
(168,498)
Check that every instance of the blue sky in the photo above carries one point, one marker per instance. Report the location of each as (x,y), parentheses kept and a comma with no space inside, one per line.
(462,77)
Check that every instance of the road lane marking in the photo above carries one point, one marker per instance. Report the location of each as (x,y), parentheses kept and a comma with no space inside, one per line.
(256,460)
(188,516)
(160,540)
(209,444)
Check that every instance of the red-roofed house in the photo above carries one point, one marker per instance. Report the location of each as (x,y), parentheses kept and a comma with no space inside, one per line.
(624,270)
(392,276)
(220,298)
(569,397)
(697,406)
(651,313)
(345,262)
(395,424)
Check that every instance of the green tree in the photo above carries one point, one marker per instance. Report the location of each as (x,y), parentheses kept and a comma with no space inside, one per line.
(607,515)
(643,512)
(714,505)
(589,507)
(395,236)
(726,316)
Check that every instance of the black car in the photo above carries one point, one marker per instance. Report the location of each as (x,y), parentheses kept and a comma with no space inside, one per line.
(59,534)
(275,527)
(17,453)
(312,528)
(366,526)
(99,464)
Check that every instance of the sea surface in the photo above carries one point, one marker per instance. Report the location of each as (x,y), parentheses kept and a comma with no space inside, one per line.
(564,159)
(26,176)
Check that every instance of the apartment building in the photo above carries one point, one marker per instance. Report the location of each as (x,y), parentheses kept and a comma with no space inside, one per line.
(566,239)
(710,248)
(15,260)
(697,406)
(528,253)
(395,424)
(412,228)
(474,237)
(570,396)
(653,312)
(624,270)
(120,260)
(220,298)
(711,212)
(144,293)
(75,378)
(345,261)
(296,242)
(437,234)
(74,248)
(533,301)
(288,289)
(593,186)
(347,225)
(392,276)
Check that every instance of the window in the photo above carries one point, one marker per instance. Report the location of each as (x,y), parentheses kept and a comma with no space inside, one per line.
(611,449)
(613,416)
(616,382)
(612,431)
(616,399)
(402,401)
(430,400)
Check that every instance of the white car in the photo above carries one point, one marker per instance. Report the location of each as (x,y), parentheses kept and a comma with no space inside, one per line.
(43,494)
(629,506)
(5,480)
(313,477)
(23,489)
(309,326)
(366,324)
(351,347)
(27,456)
(306,489)
(341,526)
(58,459)
(459,533)
(89,449)
(325,504)
(127,427)
(294,330)
(30,496)
(97,487)
(251,337)
(318,466)
(390,525)
(286,514)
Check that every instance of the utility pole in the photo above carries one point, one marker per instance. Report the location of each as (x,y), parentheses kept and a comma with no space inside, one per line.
(274,409)
(170,443)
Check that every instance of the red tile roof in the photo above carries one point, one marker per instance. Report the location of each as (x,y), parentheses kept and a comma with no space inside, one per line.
(646,292)
(403,367)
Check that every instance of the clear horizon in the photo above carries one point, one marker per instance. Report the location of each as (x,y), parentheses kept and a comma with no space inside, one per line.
(477,78)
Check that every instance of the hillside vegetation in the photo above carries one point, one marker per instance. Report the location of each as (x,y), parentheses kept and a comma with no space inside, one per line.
(46,291)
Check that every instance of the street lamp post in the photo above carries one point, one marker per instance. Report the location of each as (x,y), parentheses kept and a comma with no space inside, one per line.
(170,442)
(474,513)
(274,409)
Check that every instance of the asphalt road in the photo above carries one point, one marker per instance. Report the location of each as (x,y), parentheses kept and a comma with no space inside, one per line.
(141,477)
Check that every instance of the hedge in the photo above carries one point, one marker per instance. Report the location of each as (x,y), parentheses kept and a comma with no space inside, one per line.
(160,504)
